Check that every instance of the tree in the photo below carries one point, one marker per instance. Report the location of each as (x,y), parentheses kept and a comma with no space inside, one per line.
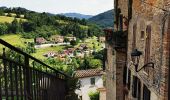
(66,40)
(72,84)
(15,27)
(29,26)
(85,64)
(1,12)
(18,15)
(95,63)
(3,28)
(74,63)
(73,42)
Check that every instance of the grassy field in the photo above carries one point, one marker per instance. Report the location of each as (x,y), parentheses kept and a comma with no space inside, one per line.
(40,52)
(92,42)
(62,22)
(15,40)
(84,27)
(6,19)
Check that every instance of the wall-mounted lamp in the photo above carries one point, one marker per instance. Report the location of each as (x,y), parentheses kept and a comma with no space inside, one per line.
(135,55)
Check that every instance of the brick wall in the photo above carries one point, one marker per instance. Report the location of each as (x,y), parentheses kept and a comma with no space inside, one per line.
(144,15)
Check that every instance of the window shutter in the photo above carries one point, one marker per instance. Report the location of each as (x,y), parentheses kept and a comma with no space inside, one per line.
(125,75)
(129,78)
(134,89)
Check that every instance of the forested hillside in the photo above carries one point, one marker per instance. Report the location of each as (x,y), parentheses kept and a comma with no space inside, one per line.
(77,15)
(105,19)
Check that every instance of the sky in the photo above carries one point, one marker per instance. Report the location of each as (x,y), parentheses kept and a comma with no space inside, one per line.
(88,7)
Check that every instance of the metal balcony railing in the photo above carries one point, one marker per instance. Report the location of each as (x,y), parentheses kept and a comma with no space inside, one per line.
(118,39)
(23,77)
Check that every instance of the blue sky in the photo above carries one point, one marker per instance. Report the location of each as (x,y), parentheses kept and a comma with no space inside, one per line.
(90,7)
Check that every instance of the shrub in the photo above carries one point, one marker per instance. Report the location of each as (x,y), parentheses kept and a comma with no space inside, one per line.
(73,42)
(94,95)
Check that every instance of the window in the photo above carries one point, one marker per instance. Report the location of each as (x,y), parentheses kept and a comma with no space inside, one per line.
(127,77)
(121,22)
(124,75)
(92,81)
(147,46)
(136,89)
(130,2)
(134,36)
(146,93)
(142,35)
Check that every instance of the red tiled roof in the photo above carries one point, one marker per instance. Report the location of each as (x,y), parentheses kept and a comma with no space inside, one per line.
(88,73)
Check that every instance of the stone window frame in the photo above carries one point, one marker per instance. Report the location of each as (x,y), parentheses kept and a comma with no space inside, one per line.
(142,30)
(142,35)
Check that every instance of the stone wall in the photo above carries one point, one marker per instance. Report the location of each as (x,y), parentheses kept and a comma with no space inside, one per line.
(110,73)
(120,64)
(145,14)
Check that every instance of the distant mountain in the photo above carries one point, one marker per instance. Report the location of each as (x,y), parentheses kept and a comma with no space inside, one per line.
(3,7)
(104,20)
(76,15)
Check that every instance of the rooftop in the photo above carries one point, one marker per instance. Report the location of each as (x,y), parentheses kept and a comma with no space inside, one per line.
(88,73)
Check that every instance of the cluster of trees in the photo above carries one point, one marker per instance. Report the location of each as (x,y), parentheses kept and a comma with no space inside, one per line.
(17,10)
(13,27)
(1,12)
(88,62)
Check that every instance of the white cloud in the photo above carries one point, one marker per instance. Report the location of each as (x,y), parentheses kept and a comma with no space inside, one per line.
(92,7)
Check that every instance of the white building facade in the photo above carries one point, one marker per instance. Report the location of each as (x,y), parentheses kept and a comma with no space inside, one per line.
(90,81)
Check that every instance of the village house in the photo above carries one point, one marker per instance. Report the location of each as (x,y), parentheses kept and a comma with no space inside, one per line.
(57,39)
(40,40)
(143,68)
(83,47)
(90,81)
(101,39)
(71,38)
(50,54)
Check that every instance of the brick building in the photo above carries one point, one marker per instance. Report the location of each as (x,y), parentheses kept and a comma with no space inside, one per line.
(115,63)
(146,23)
(116,50)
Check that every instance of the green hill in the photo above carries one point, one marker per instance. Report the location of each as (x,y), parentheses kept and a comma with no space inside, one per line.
(105,19)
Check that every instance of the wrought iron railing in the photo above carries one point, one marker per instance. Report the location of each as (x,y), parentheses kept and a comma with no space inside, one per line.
(23,77)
